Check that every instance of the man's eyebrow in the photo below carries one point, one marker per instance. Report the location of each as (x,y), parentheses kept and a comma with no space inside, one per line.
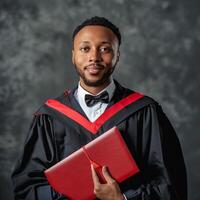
(103,42)
(106,42)
(85,42)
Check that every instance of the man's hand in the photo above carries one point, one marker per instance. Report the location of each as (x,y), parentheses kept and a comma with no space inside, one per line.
(107,191)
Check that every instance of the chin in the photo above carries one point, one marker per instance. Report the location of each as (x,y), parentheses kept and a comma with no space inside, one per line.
(95,83)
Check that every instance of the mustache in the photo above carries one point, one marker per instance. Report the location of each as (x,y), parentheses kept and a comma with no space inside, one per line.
(96,65)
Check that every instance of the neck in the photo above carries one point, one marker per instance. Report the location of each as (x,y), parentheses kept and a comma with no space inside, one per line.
(95,89)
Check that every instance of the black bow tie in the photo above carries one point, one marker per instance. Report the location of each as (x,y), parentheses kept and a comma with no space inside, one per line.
(92,100)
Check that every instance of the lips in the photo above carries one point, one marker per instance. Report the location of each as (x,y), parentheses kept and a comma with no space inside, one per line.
(94,69)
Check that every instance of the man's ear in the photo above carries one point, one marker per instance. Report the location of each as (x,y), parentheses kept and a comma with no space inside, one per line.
(73,59)
(118,55)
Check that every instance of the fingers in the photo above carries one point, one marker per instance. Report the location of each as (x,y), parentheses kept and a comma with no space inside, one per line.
(109,190)
(95,176)
(107,175)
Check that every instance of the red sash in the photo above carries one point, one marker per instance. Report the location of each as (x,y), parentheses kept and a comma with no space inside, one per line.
(93,127)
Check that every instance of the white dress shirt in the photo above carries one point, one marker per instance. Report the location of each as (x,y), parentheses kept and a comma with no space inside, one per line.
(95,111)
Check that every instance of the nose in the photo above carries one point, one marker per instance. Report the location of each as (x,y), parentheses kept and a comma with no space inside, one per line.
(95,56)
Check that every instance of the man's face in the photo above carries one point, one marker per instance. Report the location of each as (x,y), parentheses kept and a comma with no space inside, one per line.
(95,55)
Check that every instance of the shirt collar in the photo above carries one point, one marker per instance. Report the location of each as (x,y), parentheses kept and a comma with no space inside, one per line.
(81,92)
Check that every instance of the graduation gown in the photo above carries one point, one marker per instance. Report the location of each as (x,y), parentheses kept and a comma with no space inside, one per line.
(144,127)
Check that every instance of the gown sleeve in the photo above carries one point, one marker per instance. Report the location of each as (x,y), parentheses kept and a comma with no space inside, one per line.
(163,172)
(39,153)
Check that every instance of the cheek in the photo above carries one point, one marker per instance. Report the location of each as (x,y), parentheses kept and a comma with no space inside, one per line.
(80,60)
(110,59)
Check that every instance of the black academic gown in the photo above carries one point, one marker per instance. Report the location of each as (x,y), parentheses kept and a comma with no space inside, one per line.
(146,130)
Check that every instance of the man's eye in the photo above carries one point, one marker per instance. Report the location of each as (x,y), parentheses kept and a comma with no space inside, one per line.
(105,49)
(84,49)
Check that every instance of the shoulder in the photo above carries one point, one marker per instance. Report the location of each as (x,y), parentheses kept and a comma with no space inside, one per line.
(152,102)
(151,107)
(125,91)
(142,101)
(44,110)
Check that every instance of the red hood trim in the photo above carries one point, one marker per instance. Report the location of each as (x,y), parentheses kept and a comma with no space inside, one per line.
(93,127)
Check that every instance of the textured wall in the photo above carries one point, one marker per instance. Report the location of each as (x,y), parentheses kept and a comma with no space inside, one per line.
(160,56)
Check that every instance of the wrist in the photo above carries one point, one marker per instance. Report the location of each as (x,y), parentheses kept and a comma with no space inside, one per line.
(122,197)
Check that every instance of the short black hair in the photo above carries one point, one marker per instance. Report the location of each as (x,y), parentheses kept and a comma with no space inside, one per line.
(101,21)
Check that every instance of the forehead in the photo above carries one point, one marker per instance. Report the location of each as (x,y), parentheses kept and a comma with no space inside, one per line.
(95,33)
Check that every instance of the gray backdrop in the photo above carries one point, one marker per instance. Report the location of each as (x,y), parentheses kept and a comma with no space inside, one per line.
(160,56)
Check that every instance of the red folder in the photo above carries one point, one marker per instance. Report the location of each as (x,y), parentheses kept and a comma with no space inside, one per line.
(72,176)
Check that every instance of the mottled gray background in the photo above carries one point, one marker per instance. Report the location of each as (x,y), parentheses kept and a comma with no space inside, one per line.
(160,56)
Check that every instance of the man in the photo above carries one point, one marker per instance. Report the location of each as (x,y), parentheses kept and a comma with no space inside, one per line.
(146,130)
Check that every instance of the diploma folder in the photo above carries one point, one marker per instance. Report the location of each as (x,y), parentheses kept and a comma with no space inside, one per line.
(72,176)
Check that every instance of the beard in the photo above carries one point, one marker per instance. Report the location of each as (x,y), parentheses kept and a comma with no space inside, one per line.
(105,78)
